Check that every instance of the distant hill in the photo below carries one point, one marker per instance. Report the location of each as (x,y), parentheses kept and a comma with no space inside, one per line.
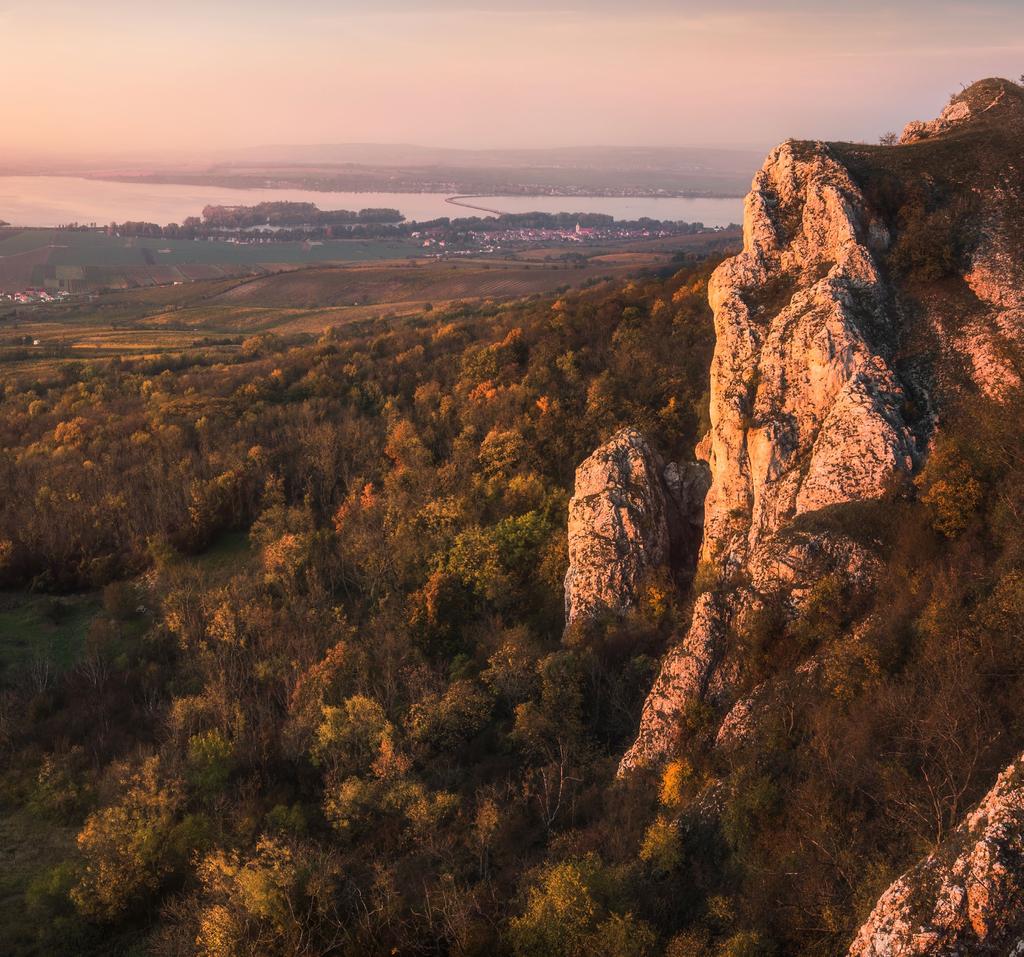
(402,167)
(369,167)
(679,159)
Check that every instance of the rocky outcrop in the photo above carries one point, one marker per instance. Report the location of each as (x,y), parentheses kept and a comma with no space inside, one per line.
(815,406)
(991,336)
(982,127)
(806,407)
(825,392)
(689,673)
(974,102)
(630,513)
(953,115)
(816,401)
(967,897)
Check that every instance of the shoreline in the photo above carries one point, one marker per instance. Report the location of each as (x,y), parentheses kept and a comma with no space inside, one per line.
(49,201)
(227,183)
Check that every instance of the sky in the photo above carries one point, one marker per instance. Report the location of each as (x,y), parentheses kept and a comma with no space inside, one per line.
(124,76)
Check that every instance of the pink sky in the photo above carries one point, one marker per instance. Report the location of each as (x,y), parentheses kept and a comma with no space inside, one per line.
(118,76)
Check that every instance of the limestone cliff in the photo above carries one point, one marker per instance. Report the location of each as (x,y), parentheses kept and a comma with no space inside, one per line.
(805,403)
(806,408)
(877,287)
(630,513)
(820,396)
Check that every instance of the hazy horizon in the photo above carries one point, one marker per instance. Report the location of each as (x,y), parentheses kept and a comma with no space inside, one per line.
(113,79)
(361,151)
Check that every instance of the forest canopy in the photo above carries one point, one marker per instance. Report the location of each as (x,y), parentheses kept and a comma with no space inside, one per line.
(315,697)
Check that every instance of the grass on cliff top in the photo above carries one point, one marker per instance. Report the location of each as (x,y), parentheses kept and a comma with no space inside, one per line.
(982,153)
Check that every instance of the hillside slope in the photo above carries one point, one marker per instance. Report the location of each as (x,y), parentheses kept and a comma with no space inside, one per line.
(879,293)
(329,700)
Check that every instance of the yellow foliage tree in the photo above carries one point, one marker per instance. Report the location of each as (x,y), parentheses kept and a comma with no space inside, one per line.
(126,846)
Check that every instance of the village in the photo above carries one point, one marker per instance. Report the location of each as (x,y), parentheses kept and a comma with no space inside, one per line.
(34,295)
(445,237)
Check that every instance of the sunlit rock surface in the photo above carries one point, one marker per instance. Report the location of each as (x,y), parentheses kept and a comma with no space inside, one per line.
(630,513)
(966,898)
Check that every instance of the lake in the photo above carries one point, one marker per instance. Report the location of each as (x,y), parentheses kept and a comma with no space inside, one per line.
(57,200)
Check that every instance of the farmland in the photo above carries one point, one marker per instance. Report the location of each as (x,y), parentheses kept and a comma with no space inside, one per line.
(218,313)
(79,261)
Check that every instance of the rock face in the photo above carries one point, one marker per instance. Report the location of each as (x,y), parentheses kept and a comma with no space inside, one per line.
(686,677)
(982,129)
(813,402)
(805,403)
(628,515)
(966,898)
(806,407)
(953,115)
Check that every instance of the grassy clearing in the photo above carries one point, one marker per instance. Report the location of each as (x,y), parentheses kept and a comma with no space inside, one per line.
(224,557)
(53,628)
(43,627)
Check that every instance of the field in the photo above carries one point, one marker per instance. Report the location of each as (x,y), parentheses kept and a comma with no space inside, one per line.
(218,313)
(82,261)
